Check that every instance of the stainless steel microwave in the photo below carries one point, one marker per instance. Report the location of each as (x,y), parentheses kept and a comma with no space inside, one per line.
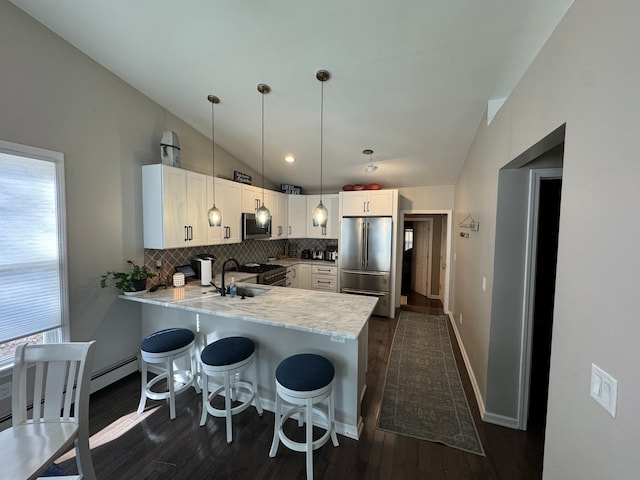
(251,230)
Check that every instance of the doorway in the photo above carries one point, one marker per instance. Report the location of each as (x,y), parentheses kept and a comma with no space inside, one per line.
(424,260)
(544,254)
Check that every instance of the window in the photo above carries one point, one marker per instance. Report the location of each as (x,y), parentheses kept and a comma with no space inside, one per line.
(33,280)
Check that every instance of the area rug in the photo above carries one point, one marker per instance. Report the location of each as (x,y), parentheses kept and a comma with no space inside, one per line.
(423,395)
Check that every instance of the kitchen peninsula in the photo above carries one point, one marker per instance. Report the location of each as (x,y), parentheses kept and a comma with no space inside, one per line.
(282,322)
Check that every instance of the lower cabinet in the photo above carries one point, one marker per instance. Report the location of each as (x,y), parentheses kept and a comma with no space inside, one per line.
(324,278)
(299,276)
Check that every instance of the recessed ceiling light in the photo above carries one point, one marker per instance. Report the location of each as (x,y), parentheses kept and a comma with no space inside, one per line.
(289,159)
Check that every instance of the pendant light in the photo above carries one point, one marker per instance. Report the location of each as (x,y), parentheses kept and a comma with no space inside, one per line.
(263,216)
(320,213)
(371,167)
(214,214)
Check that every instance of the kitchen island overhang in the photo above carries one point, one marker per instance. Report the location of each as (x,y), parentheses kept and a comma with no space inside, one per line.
(282,322)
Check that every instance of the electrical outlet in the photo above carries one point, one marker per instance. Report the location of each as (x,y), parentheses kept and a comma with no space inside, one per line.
(5,390)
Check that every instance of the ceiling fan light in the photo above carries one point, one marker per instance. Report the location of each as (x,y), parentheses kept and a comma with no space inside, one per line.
(370,168)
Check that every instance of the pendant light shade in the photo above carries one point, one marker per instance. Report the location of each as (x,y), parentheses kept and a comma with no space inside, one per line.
(320,214)
(263,216)
(214,214)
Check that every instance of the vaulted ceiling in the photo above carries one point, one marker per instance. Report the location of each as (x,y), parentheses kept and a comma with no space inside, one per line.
(410,79)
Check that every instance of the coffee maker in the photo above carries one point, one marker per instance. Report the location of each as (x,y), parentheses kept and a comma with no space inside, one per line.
(202,265)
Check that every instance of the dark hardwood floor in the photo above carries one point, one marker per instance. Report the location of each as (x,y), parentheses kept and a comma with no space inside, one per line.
(128,446)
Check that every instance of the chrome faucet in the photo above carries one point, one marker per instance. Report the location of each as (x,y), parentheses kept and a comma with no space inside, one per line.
(223,291)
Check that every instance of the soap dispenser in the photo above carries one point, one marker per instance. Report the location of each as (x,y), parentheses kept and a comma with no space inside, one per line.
(232,287)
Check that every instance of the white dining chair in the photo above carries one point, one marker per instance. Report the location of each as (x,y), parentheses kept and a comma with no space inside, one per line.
(57,389)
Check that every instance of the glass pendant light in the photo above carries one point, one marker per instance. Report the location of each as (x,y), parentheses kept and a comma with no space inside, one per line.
(371,167)
(214,214)
(320,214)
(262,214)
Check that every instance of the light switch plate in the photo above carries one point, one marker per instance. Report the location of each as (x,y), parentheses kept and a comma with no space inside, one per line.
(604,389)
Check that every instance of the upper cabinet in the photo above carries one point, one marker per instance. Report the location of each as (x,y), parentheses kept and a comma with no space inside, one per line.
(280,228)
(229,201)
(174,203)
(369,203)
(332,230)
(297,215)
(251,198)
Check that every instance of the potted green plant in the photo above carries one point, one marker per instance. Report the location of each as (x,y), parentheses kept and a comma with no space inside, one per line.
(127,282)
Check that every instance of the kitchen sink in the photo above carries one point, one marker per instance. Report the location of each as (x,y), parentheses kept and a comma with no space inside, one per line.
(250,291)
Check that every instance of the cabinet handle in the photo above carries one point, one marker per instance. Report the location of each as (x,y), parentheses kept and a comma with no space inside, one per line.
(367,207)
(190,230)
(324,270)
(186,233)
(289,229)
(323,281)
(364,207)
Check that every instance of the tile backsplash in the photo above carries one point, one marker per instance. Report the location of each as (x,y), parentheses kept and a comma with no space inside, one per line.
(248,251)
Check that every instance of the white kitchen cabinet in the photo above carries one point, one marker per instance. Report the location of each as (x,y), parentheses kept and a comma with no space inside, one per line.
(368,203)
(174,203)
(332,229)
(280,229)
(271,202)
(251,198)
(324,278)
(297,215)
(299,276)
(228,201)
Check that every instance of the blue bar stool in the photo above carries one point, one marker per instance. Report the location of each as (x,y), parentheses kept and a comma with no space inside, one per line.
(164,348)
(304,381)
(228,357)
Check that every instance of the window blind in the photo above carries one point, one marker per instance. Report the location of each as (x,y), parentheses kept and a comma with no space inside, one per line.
(31,273)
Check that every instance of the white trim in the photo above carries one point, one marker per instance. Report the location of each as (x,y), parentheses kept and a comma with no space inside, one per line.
(447,275)
(501,420)
(526,338)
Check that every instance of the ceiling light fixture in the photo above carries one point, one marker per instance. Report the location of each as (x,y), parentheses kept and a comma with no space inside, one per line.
(289,159)
(371,167)
(263,216)
(320,213)
(214,214)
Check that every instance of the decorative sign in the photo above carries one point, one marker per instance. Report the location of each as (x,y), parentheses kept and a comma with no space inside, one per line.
(290,189)
(241,177)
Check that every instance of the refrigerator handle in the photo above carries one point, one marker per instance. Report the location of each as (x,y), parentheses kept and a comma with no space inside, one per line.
(366,244)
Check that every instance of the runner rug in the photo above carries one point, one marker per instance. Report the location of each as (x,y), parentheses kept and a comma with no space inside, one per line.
(423,395)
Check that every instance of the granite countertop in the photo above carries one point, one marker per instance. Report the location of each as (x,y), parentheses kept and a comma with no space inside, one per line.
(285,262)
(336,314)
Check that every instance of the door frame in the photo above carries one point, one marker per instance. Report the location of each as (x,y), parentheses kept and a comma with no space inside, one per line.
(447,275)
(536,175)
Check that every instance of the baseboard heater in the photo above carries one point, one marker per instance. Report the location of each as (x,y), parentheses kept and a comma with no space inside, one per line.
(112,374)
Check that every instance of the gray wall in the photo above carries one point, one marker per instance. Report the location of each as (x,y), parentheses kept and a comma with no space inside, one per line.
(55,97)
(586,77)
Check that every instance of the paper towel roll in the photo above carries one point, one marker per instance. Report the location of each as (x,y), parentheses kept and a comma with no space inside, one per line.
(205,272)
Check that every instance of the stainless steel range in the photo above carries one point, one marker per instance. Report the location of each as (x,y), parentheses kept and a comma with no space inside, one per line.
(267,274)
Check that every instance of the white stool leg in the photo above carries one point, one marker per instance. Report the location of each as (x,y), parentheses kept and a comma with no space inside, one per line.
(276,428)
(227,405)
(143,392)
(332,420)
(254,384)
(194,370)
(309,450)
(205,398)
(172,394)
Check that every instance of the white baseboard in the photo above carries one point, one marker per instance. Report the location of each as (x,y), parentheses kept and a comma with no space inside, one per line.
(467,364)
(501,420)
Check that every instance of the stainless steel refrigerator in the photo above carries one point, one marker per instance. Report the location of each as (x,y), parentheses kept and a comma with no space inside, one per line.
(365,259)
